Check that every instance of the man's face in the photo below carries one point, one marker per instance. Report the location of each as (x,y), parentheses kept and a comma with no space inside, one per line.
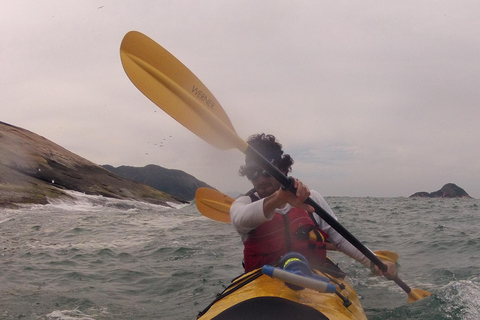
(265,184)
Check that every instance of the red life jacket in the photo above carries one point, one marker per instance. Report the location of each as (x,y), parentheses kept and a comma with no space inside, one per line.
(284,233)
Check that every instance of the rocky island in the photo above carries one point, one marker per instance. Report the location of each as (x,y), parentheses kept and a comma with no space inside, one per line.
(175,182)
(450,190)
(34,169)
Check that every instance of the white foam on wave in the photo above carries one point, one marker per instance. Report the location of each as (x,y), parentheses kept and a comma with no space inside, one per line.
(69,315)
(178,205)
(462,299)
(83,202)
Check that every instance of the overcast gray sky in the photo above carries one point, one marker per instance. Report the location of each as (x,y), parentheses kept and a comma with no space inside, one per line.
(371,98)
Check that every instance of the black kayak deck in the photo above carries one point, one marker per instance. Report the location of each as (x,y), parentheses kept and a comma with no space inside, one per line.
(270,308)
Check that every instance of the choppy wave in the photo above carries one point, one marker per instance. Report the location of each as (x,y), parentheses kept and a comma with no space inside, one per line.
(99,258)
(82,202)
(461,299)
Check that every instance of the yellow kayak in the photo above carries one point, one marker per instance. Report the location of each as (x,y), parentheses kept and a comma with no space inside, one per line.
(255,296)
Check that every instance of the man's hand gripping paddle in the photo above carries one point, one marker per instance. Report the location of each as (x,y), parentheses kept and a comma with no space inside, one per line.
(175,89)
(216,206)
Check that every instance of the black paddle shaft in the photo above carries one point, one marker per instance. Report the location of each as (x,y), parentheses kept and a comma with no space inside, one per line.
(285,181)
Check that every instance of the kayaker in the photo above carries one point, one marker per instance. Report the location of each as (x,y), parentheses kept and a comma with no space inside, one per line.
(272,221)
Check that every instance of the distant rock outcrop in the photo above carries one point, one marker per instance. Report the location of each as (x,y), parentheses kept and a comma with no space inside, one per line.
(175,182)
(450,190)
(34,169)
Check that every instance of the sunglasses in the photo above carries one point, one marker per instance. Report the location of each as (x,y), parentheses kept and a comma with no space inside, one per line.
(254,173)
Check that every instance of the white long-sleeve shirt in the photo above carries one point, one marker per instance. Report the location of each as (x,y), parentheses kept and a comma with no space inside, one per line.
(247,215)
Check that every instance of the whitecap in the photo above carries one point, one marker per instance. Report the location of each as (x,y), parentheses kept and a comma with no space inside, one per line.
(462,299)
(69,315)
(79,201)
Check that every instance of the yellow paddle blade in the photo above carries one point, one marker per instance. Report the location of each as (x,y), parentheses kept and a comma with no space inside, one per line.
(175,89)
(387,255)
(213,204)
(417,294)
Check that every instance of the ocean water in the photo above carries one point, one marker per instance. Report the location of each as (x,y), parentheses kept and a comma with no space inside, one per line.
(97,258)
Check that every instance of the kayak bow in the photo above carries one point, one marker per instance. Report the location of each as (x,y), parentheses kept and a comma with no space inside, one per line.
(256,296)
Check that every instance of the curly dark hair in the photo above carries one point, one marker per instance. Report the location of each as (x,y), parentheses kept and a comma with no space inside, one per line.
(262,141)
